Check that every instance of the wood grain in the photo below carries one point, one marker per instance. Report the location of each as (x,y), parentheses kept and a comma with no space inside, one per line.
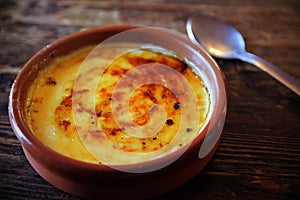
(259,153)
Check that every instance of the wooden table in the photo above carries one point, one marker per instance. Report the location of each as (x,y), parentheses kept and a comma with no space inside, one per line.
(259,153)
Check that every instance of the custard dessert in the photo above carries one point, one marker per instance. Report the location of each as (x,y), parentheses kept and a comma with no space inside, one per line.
(74,92)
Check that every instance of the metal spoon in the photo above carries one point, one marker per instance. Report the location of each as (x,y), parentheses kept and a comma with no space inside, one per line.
(221,40)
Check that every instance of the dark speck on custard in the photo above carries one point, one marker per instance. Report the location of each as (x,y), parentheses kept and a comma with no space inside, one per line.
(115,131)
(176,105)
(169,122)
(184,67)
(99,114)
(65,124)
(188,130)
(50,81)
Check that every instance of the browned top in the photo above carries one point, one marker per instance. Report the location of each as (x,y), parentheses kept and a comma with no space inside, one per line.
(50,105)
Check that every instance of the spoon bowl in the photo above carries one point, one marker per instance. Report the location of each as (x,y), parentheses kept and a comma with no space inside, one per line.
(221,40)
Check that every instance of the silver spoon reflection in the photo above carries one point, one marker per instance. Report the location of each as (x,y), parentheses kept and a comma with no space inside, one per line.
(221,40)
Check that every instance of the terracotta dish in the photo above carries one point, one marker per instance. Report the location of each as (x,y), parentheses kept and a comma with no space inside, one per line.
(126,181)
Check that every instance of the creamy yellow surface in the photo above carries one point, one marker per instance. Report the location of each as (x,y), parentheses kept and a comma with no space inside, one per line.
(49,103)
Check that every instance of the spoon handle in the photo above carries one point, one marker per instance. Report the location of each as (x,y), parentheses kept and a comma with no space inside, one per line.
(283,77)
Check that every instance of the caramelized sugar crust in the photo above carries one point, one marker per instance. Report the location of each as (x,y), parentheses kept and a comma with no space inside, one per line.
(49,104)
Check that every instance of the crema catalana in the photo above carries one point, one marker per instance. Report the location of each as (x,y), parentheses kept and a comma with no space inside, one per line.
(49,104)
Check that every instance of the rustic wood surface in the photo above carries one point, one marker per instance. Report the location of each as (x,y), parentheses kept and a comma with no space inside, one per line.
(259,153)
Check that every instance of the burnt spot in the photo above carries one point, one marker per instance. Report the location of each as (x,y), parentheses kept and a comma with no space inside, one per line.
(169,122)
(115,131)
(99,114)
(50,81)
(147,93)
(67,102)
(184,67)
(176,105)
(179,65)
(153,99)
(188,130)
(64,124)
(154,138)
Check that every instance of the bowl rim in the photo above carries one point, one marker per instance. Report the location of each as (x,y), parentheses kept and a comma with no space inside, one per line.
(32,144)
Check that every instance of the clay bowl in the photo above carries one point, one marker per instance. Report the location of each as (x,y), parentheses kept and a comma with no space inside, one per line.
(95,180)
